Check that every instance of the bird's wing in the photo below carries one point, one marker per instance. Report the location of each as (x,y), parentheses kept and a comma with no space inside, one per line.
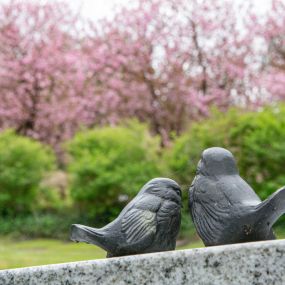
(139,224)
(208,210)
(169,217)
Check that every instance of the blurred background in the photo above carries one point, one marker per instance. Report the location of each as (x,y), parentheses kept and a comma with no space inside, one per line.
(98,97)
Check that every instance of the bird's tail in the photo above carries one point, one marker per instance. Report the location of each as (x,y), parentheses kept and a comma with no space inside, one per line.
(273,207)
(81,233)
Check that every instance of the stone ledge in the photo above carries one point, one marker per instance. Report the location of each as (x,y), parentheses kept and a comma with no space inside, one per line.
(250,263)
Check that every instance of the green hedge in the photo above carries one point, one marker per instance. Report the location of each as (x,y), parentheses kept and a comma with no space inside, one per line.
(257,140)
(109,165)
(41,225)
(23,164)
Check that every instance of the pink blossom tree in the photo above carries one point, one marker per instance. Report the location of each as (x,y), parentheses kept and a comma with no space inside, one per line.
(271,29)
(167,62)
(42,73)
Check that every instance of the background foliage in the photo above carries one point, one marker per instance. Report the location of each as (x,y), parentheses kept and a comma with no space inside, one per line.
(60,72)
(185,75)
(255,138)
(23,164)
(109,165)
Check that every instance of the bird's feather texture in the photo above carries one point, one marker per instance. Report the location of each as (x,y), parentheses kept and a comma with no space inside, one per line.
(207,214)
(138,224)
(169,217)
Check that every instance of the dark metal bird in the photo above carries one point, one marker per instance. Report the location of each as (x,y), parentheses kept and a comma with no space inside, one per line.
(149,223)
(224,208)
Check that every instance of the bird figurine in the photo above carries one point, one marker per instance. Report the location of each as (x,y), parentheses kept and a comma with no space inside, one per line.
(149,223)
(224,208)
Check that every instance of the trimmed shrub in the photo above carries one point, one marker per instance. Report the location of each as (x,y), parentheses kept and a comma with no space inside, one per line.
(46,225)
(257,140)
(187,149)
(53,195)
(23,164)
(109,165)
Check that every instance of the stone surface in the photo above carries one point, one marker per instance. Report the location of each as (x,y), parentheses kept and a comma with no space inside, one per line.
(249,263)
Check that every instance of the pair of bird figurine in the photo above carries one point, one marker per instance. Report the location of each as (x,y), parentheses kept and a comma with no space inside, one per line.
(223,207)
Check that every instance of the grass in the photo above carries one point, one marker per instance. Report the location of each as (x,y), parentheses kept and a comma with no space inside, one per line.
(14,254)
(44,251)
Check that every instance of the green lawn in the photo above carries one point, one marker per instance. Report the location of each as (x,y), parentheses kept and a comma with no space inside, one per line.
(15,254)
